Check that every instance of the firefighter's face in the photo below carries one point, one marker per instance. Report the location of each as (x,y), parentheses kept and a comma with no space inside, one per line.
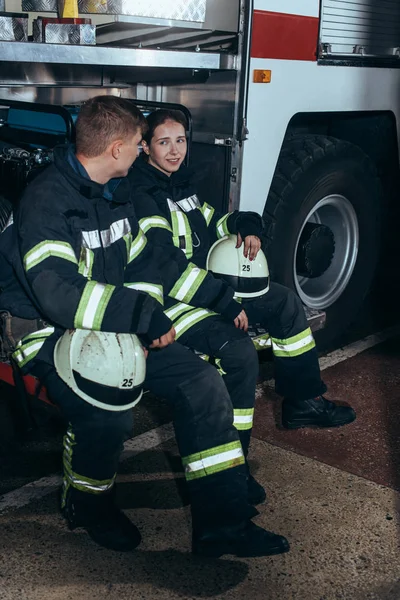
(126,151)
(168,147)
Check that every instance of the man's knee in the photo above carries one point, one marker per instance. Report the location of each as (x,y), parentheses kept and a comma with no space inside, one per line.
(204,397)
(240,355)
(104,427)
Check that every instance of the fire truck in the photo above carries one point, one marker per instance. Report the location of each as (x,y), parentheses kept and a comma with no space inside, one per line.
(293,108)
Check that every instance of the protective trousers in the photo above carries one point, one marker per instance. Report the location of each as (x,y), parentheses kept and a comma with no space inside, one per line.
(92,444)
(208,442)
(207,439)
(281,313)
(235,356)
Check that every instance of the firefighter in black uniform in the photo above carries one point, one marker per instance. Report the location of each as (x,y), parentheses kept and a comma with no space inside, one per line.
(182,227)
(84,264)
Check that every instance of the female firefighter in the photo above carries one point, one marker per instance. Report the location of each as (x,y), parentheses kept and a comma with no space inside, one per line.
(183,227)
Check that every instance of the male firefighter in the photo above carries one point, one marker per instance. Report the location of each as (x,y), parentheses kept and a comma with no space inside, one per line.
(88,270)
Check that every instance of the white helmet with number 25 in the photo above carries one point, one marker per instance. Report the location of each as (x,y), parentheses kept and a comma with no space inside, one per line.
(105,369)
(249,278)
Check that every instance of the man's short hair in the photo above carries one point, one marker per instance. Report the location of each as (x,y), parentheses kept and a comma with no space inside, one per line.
(103,120)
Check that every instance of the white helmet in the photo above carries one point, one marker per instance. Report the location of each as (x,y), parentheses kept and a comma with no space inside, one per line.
(105,369)
(249,278)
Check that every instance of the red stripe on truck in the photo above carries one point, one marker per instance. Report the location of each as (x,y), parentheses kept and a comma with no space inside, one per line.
(290,37)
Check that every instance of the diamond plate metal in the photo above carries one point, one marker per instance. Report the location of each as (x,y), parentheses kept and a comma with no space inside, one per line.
(13,29)
(39,5)
(69,33)
(179,10)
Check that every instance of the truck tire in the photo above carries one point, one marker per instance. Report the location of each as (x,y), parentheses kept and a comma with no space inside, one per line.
(322,218)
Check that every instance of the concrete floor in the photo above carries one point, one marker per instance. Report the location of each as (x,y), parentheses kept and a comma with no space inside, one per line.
(325,495)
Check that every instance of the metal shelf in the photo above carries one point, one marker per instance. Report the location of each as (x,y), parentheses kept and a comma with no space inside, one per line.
(30,52)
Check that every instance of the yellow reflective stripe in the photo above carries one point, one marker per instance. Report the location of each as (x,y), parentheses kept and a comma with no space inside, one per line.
(85,265)
(137,246)
(222,226)
(154,221)
(213,460)
(208,212)
(154,290)
(47,249)
(188,283)
(181,228)
(80,482)
(243,418)
(128,243)
(92,306)
(190,319)
(262,341)
(294,346)
(177,310)
(30,346)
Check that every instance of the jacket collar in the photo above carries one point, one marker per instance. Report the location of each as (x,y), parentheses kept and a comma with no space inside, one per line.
(116,190)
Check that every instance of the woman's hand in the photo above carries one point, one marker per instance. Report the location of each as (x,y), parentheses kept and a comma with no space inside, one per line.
(252,245)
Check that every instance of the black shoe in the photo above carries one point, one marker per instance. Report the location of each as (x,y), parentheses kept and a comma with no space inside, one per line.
(256,493)
(116,533)
(105,523)
(315,412)
(245,541)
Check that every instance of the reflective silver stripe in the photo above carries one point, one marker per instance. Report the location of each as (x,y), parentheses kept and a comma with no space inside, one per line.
(154,290)
(137,246)
(117,230)
(86,262)
(173,207)
(91,239)
(10,221)
(188,204)
(47,249)
(155,221)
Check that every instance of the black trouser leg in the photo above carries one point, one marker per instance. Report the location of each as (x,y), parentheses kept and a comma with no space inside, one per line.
(281,313)
(207,439)
(236,358)
(93,442)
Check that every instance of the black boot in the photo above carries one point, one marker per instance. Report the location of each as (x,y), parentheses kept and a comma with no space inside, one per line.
(105,523)
(317,412)
(256,492)
(246,540)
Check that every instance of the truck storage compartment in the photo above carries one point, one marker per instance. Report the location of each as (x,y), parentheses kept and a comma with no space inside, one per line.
(368,28)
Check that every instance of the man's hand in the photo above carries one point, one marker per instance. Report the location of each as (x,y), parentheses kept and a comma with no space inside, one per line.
(252,245)
(241,321)
(164,340)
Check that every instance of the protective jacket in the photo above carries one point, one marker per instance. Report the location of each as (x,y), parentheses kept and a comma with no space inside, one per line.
(83,260)
(182,229)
